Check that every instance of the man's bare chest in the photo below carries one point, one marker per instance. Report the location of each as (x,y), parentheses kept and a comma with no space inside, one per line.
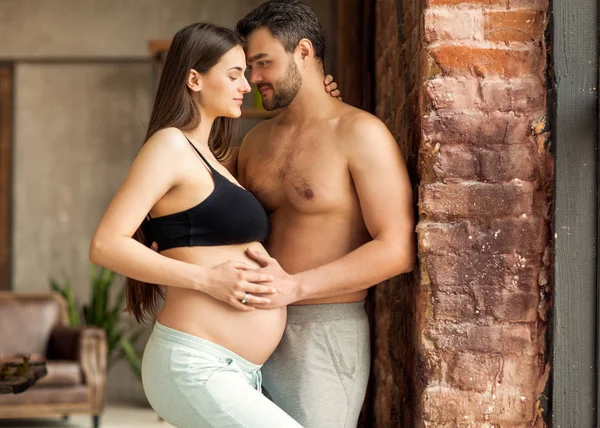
(309,174)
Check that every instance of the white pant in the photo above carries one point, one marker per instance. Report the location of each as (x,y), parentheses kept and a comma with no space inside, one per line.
(191,382)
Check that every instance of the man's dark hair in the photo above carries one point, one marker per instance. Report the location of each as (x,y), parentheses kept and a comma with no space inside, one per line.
(289,21)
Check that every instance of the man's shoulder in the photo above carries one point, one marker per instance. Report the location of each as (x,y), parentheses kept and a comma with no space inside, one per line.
(259,132)
(253,140)
(356,125)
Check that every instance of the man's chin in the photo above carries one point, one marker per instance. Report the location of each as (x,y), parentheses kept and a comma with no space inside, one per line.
(268,105)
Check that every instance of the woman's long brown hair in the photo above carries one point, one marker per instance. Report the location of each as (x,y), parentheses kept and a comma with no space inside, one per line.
(199,47)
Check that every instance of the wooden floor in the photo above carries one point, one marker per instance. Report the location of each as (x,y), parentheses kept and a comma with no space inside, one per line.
(114,417)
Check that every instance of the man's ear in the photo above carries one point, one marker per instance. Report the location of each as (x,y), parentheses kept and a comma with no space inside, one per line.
(305,49)
(194,81)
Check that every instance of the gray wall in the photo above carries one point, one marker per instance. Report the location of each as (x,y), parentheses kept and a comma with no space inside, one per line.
(78,124)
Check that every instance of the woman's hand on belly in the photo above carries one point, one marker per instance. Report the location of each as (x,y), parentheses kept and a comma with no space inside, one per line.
(234,281)
(230,282)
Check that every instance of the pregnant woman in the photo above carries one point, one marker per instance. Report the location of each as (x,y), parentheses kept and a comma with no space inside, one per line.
(201,366)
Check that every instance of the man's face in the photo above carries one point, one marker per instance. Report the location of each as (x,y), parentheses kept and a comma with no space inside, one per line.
(272,69)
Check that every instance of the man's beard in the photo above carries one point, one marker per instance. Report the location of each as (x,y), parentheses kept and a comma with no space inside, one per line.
(285,89)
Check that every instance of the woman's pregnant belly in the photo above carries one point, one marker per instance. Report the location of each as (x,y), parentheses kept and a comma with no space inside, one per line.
(253,335)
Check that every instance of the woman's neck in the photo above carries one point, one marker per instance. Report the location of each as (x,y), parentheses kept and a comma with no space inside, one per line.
(201,133)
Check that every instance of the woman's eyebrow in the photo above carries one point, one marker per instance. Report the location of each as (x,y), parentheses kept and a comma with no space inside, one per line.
(236,68)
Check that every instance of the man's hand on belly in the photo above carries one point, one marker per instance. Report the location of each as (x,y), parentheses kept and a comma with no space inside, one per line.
(286,285)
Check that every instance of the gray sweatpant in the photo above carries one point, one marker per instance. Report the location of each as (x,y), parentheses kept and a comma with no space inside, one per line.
(319,372)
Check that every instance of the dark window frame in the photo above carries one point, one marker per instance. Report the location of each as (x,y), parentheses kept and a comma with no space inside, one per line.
(573,107)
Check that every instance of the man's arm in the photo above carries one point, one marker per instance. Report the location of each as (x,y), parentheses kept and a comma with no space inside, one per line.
(379,174)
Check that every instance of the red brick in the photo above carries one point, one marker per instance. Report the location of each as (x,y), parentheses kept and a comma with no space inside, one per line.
(432,368)
(519,95)
(504,4)
(504,61)
(458,92)
(454,307)
(502,236)
(487,304)
(524,373)
(450,405)
(460,161)
(475,273)
(508,339)
(539,423)
(453,24)
(473,372)
(475,199)
(452,273)
(488,95)
(512,307)
(517,25)
(481,128)
(430,3)
(481,372)
(489,164)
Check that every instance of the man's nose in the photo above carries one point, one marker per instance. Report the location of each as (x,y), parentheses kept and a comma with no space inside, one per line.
(254,76)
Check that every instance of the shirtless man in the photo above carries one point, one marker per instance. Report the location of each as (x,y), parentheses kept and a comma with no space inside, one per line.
(335,185)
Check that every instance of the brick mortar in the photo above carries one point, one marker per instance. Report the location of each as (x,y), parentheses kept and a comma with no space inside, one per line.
(485,44)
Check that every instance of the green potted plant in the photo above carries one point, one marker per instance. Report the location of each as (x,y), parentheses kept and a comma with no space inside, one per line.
(102,313)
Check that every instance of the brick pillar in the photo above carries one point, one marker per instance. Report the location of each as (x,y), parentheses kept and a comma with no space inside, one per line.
(484,205)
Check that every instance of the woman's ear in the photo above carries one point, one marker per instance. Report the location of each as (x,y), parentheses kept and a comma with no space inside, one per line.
(194,81)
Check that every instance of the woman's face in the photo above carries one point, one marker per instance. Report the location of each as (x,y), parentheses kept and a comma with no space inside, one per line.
(224,86)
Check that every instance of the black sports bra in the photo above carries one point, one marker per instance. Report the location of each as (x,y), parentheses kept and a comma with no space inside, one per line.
(229,215)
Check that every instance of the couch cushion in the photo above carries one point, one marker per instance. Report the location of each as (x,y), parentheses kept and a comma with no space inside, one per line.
(61,373)
(18,359)
(46,395)
(26,322)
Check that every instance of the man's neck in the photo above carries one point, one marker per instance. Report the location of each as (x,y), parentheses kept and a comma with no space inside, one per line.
(311,103)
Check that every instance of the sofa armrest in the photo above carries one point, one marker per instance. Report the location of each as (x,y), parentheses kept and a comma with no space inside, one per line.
(93,357)
(87,346)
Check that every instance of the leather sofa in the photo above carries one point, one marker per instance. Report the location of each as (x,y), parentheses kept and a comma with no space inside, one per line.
(37,325)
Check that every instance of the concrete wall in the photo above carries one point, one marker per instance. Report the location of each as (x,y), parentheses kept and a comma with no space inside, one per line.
(79,124)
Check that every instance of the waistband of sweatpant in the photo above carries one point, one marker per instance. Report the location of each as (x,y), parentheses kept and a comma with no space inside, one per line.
(202,345)
(300,314)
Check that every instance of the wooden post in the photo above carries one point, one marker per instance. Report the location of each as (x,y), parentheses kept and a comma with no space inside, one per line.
(5,174)
(355,62)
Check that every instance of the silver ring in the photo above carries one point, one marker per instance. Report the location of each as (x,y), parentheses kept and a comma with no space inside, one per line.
(245,299)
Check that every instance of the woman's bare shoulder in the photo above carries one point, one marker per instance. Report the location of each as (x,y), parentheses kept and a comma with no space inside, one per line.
(165,141)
